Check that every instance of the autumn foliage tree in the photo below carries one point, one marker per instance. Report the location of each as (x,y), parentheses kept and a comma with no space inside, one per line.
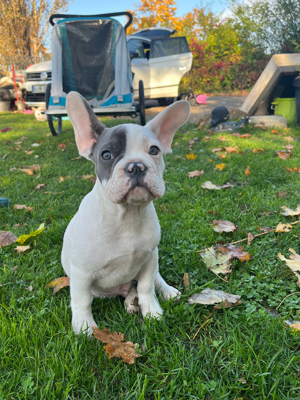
(24,26)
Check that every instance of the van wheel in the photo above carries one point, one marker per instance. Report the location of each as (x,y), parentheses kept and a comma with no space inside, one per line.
(166,101)
(55,124)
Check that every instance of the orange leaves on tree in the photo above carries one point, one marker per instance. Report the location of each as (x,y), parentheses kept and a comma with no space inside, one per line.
(59,283)
(116,347)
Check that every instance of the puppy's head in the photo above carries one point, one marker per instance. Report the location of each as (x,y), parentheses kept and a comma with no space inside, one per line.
(128,158)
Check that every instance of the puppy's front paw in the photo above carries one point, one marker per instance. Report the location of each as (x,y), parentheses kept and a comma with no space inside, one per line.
(150,308)
(167,292)
(82,326)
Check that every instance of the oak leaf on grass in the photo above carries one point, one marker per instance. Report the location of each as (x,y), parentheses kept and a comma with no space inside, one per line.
(289,212)
(116,347)
(195,173)
(211,296)
(59,283)
(7,238)
(223,226)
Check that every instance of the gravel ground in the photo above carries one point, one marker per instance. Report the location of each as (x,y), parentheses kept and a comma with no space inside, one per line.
(231,102)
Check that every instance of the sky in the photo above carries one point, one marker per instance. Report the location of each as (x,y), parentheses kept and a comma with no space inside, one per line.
(86,7)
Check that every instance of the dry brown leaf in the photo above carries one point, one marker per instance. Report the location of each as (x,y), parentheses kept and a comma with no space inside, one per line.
(59,283)
(116,347)
(258,150)
(209,185)
(76,158)
(85,177)
(191,142)
(295,325)
(61,146)
(293,263)
(250,238)
(231,149)
(7,238)
(296,169)
(236,252)
(223,226)
(221,156)
(217,262)
(283,227)
(220,167)
(186,281)
(247,171)
(61,179)
(289,212)
(22,206)
(40,186)
(30,170)
(195,173)
(217,149)
(247,135)
(222,138)
(289,146)
(242,380)
(283,155)
(211,296)
(227,304)
(205,139)
(21,249)
(275,132)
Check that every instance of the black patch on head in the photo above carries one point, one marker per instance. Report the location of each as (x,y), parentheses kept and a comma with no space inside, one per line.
(113,140)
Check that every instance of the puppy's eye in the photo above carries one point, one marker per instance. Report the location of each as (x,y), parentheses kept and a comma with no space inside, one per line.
(106,155)
(154,150)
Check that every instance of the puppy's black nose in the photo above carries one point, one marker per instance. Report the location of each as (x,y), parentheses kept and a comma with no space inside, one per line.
(135,169)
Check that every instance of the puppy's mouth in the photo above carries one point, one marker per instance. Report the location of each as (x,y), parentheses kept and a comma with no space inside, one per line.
(139,192)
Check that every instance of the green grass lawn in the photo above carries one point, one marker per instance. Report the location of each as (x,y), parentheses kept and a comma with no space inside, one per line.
(246,352)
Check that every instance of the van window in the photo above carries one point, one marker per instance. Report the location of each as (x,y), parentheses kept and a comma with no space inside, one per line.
(169,47)
(136,48)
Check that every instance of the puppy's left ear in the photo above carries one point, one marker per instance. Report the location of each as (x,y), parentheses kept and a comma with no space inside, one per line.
(165,124)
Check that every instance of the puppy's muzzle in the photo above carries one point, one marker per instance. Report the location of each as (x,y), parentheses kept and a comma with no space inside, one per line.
(135,170)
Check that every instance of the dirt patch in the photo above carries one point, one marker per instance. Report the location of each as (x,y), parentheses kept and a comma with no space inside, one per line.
(231,102)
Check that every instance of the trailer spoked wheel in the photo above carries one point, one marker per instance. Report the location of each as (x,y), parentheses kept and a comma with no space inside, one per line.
(142,104)
(55,124)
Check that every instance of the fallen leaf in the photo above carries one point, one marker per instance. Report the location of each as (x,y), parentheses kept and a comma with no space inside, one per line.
(289,146)
(217,262)
(221,156)
(227,304)
(231,149)
(201,124)
(211,296)
(209,185)
(213,212)
(293,169)
(195,173)
(6,129)
(289,212)
(242,380)
(209,160)
(28,152)
(205,139)
(223,226)
(76,158)
(247,135)
(191,142)
(22,239)
(236,134)
(59,283)
(282,194)
(4,157)
(116,347)
(220,167)
(14,268)
(275,132)
(289,138)
(191,156)
(21,249)
(85,177)
(13,169)
(61,146)
(40,186)
(283,227)
(236,252)
(35,144)
(30,288)
(247,171)
(293,263)
(295,325)
(250,238)
(222,138)
(7,238)
(31,170)
(217,149)
(258,150)
(186,281)
(61,179)
(22,206)
(284,155)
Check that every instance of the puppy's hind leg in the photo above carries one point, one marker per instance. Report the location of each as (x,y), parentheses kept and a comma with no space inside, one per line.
(129,299)
(165,291)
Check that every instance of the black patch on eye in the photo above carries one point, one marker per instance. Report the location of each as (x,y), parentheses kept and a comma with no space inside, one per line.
(113,140)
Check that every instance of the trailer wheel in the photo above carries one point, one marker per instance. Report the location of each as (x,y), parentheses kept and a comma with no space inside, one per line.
(142,104)
(55,124)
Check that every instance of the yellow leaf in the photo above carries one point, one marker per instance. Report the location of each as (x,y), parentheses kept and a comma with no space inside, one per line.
(191,156)
(21,249)
(22,239)
(220,167)
(59,283)
(283,227)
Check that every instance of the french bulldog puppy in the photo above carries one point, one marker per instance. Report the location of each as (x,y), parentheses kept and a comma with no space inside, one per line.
(110,245)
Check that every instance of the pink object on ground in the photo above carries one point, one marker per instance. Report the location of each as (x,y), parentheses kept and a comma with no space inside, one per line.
(201,99)
(5,129)
(28,112)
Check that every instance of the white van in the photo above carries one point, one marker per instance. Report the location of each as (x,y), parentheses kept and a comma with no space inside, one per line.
(157,59)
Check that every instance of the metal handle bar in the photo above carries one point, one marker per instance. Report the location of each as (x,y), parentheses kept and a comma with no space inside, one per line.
(117,14)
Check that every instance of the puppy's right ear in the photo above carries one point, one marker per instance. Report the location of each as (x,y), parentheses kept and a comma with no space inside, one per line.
(86,125)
